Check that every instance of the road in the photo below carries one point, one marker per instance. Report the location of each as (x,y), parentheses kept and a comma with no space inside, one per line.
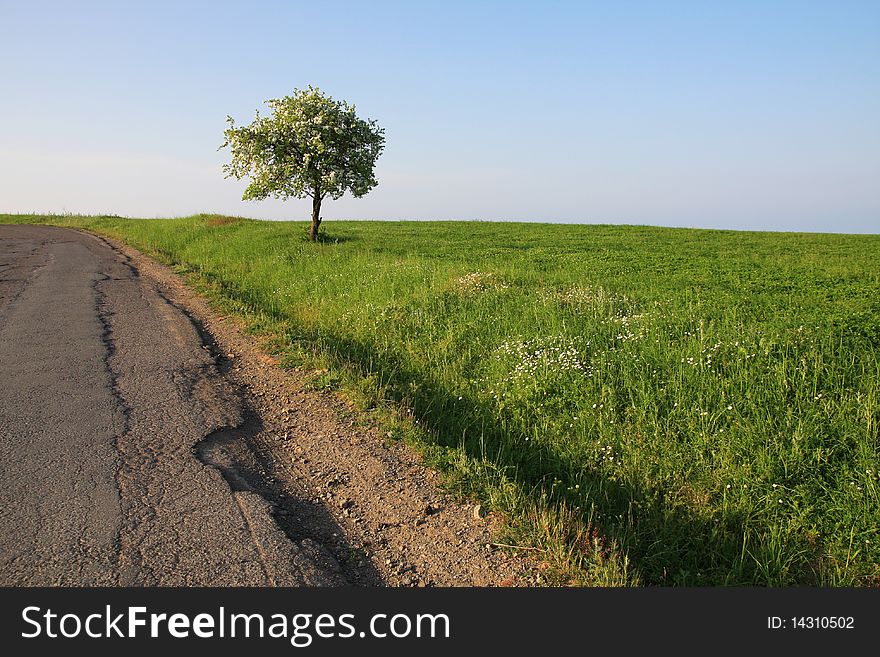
(106,391)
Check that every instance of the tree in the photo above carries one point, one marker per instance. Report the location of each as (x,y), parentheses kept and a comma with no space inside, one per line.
(310,146)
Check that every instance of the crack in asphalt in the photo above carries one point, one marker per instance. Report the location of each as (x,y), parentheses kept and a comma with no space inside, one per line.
(102,313)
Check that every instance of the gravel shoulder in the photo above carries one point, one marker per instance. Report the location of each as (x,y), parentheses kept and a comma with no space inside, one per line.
(332,483)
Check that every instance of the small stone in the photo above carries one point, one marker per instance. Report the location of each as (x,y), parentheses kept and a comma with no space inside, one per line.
(479,511)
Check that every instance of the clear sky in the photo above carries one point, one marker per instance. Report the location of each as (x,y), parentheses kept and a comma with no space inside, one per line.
(754,115)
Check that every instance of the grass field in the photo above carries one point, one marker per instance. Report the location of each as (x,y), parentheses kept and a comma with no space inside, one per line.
(646,405)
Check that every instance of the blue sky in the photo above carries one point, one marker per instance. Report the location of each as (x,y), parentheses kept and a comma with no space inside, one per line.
(747,115)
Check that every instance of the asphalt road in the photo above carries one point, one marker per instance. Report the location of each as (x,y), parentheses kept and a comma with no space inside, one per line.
(106,390)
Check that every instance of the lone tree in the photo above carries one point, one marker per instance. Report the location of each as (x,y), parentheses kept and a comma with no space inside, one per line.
(311,145)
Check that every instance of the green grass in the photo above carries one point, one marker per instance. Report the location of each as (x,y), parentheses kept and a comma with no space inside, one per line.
(646,405)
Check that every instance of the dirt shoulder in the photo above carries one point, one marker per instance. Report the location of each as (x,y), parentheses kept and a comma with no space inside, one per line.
(331,477)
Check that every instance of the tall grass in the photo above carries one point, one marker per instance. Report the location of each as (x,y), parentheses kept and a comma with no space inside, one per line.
(647,405)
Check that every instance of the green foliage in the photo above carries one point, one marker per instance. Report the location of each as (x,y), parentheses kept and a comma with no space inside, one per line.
(310,145)
(652,405)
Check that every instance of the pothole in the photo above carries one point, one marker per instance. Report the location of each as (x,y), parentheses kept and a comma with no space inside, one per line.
(306,524)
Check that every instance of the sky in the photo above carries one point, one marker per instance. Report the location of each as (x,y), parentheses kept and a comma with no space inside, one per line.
(743,115)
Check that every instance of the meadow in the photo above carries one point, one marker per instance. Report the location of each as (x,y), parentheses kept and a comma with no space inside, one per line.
(645,406)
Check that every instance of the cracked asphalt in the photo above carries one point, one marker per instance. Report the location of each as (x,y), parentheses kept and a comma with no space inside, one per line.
(106,390)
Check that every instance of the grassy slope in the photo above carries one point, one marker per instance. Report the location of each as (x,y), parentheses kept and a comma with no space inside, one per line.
(652,405)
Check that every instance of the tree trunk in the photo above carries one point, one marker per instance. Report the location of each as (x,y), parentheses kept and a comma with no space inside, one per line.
(316,218)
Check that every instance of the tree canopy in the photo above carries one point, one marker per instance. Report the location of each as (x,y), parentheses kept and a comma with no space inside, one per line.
(309,146)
